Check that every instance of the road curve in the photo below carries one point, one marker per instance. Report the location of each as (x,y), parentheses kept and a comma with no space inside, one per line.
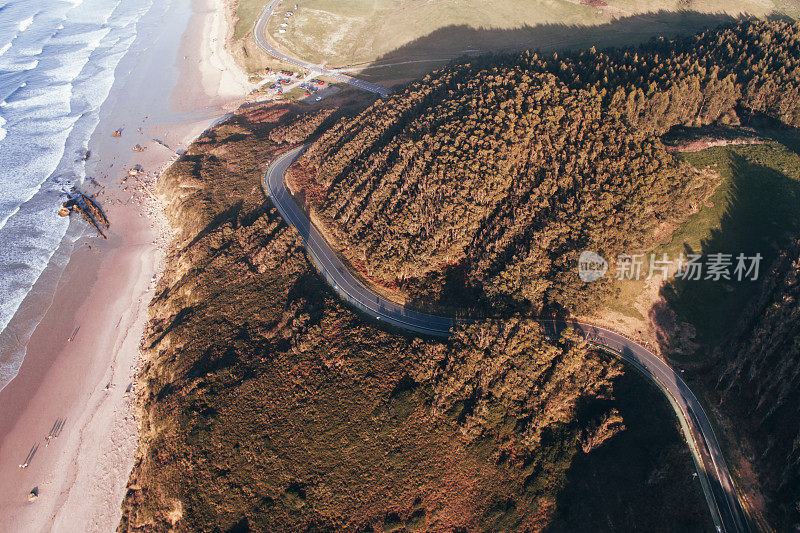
(260,35)
(718,487)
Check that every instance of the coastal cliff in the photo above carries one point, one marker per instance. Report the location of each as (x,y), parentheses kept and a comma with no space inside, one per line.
(267,404)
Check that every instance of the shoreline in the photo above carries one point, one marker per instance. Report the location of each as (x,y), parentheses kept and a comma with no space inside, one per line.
(83,356)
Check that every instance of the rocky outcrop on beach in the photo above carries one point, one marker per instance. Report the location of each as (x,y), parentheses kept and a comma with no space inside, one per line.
(88,209)
(267,404)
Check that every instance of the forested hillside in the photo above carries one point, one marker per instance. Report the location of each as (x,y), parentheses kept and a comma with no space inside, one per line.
(267,404)
(487,179)
(759,385)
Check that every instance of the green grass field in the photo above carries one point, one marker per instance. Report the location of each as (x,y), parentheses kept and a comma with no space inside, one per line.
(755,209)
(419,34)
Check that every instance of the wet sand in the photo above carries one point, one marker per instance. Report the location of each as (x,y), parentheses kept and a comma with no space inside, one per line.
(83,355)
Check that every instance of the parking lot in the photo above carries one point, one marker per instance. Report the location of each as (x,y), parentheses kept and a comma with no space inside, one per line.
(279,82)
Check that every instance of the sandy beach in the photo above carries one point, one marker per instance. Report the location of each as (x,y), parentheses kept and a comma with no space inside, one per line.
(78,379)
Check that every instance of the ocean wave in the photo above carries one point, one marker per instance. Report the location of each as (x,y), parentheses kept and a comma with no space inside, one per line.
(14,338)
(54,76)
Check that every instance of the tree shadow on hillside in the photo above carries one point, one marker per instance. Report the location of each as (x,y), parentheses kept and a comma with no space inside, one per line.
(433,51)
(450,292)
(617,486)
(760,218)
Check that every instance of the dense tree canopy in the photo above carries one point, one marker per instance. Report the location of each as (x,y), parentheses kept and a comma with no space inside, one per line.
(498,172)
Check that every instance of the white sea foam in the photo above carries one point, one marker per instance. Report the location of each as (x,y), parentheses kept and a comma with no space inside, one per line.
(24,24)
(55,72)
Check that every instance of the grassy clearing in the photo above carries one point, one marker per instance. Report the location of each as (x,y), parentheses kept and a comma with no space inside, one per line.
(247,12)
(361,32)
(758,210)
(754,210)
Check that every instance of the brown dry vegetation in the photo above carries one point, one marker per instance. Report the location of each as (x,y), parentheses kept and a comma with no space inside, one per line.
(482,182)
(268,405)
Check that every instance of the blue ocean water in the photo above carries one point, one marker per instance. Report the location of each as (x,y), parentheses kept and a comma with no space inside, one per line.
(57,64)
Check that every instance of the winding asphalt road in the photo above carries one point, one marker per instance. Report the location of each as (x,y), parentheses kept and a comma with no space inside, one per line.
(260,35)
(713,472)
